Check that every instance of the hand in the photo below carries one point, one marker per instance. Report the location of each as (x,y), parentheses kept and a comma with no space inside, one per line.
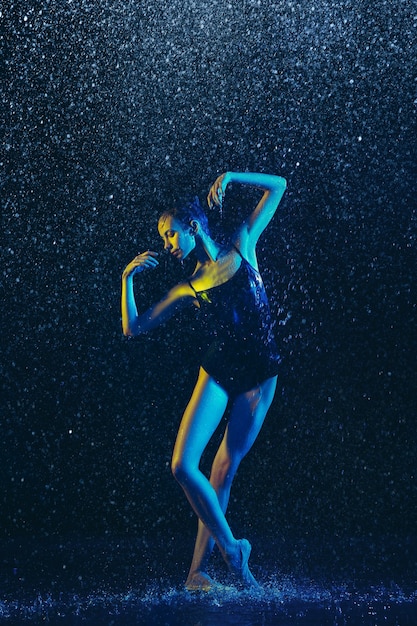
(217,191)
(141,262)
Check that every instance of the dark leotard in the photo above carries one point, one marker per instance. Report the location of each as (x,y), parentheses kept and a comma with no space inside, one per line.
(242,351)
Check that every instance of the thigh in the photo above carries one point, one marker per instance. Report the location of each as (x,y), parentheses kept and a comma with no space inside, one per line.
(201,418)
(247,417)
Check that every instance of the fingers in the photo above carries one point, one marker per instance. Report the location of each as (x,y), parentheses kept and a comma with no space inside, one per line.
(149,255)
(145,260)
(216,193)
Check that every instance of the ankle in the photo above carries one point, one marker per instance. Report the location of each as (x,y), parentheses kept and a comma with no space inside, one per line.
(233,556)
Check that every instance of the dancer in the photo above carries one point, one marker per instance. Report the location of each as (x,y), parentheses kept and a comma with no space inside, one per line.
(239,367)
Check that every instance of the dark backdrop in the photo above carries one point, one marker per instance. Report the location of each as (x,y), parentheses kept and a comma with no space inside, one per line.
(112,111)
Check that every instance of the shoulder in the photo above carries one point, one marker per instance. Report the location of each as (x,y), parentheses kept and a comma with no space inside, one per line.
(181,291)
(180,295)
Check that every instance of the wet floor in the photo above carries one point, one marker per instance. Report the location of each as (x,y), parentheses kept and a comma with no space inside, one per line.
(112,582)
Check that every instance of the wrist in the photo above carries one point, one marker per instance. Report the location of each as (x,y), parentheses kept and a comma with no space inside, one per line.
(227,178)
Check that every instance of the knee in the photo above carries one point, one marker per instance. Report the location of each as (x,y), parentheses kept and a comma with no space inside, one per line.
(180,470)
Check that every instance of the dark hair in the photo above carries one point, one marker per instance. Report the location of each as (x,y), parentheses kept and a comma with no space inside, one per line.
(188,211)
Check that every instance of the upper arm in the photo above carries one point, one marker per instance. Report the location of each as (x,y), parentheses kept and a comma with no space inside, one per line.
(177,298)
(259,219)
(246,237)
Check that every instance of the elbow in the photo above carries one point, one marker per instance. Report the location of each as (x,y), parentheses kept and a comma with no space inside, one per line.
(280,187)
(282,183)
(128,330)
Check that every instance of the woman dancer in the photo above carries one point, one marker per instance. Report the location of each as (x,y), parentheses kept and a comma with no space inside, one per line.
(240,365)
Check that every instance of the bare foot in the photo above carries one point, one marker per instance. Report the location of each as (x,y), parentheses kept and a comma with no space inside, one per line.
(199,581)
(238,565)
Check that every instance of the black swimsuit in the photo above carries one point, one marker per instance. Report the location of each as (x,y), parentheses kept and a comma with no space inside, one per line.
(242,351)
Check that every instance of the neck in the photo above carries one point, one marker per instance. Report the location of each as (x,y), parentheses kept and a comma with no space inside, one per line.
(207,250)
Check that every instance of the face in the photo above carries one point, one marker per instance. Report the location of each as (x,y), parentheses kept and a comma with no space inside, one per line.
(178,239)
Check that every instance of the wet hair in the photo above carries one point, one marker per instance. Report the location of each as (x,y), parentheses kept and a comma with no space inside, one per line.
(187,212)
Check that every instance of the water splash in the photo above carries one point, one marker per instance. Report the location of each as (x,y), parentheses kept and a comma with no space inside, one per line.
(280,599)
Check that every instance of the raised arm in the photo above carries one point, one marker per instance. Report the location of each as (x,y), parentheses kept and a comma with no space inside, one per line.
(133,323)
(273,187)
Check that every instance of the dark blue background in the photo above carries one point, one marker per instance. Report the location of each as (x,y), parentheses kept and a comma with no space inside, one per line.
(114,110)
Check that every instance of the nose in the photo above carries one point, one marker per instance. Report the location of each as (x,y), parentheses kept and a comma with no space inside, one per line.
(167,245)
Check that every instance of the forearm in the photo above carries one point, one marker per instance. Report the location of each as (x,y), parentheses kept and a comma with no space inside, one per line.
(267,182)
(128,307)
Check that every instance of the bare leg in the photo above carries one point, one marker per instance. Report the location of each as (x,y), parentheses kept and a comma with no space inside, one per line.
(200,420)
(247,416)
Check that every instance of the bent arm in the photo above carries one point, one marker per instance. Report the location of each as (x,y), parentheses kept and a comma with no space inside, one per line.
(134,324)
(274,188)
(247,235)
